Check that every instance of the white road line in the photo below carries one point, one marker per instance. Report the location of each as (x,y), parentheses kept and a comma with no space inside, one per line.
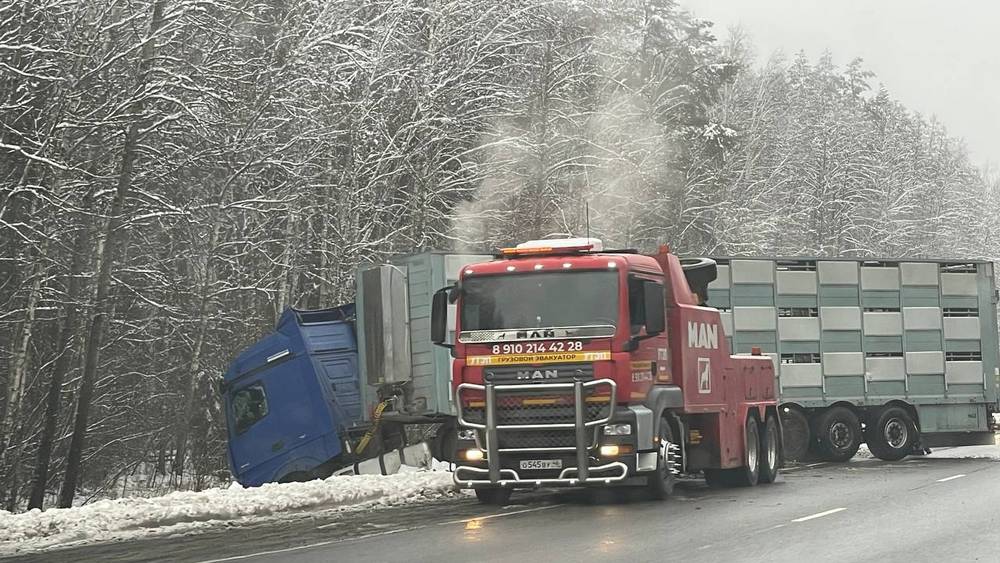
(286,550)
(959,476)
(488,516)
(819,515)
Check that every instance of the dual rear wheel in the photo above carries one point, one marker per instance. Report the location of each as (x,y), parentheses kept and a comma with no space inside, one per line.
(761,456)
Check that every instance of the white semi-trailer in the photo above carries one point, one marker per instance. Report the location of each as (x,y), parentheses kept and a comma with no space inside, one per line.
(898,354)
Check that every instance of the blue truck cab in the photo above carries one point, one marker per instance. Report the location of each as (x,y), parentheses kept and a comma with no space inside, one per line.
(293,398)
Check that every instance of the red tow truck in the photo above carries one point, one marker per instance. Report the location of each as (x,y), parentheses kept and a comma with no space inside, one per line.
(575,366)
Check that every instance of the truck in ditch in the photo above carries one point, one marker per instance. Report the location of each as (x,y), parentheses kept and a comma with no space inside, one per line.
(575,366)
(336,389)
(900,354)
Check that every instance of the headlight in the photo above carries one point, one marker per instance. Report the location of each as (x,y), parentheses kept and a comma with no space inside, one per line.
(617,429)
(467,434)
(473,455)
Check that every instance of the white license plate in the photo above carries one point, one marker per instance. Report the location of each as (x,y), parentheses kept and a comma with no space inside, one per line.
(541,464)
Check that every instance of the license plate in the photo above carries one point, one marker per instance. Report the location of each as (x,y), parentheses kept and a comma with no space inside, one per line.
(541,464)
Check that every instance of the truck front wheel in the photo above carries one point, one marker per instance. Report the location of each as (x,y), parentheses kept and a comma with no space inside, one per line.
(660,483)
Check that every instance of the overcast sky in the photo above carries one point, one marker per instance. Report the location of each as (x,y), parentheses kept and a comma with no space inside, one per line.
(937,57)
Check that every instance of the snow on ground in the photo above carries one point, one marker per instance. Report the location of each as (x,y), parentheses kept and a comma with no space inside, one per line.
(966,452)
(953,452)
(185,512)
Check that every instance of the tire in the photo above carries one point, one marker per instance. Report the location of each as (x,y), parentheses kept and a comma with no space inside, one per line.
(660,483)
(796,436)
(495,496)
(838,433)
(749,474)
(446,442)
(770,450)
(893,434)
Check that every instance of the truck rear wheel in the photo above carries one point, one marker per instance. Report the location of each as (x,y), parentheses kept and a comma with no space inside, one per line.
(660,483)
(749,474)
(770,450)
(796,434)
(839,433)
(892,436)
(496,496)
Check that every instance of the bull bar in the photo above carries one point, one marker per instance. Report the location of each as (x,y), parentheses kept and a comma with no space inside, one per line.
(570,476)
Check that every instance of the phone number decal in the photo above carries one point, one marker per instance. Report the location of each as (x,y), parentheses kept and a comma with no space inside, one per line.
(538,347)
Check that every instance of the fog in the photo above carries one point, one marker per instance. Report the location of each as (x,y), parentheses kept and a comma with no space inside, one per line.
(937,58)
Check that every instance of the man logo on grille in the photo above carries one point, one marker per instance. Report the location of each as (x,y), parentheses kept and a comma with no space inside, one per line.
(538,374)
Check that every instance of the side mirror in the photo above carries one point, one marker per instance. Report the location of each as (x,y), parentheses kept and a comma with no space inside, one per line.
(439,317)
(654,307)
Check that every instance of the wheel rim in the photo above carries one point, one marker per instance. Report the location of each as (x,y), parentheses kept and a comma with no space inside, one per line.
(896,433)
(752,450)
(840,435)
(772,447)
(667,468)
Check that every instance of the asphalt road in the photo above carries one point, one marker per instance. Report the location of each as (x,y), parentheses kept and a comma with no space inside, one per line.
(916,510)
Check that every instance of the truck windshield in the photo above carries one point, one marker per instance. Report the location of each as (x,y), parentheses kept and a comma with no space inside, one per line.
(540,300)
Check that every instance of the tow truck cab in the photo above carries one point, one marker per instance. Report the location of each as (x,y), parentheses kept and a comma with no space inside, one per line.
(575,366)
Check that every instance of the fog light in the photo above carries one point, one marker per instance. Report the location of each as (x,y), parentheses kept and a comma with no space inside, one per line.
(466,434)
(617,429)
(473,455)
(609,451)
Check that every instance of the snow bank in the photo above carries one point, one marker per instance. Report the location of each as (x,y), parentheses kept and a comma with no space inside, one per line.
(182,512)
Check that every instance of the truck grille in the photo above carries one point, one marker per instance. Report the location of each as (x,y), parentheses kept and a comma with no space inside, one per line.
(510,439)
(536,414)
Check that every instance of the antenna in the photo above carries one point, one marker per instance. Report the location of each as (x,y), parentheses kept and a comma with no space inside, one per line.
(587,204)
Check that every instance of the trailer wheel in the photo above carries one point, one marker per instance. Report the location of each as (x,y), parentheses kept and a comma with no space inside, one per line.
(496,496)
(795,433)
(660,483)
(770,449)
(839,433)
(892,436)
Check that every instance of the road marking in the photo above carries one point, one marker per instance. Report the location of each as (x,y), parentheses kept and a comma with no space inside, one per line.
(819,515)
(959,476)
(488,516)
(286,550)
